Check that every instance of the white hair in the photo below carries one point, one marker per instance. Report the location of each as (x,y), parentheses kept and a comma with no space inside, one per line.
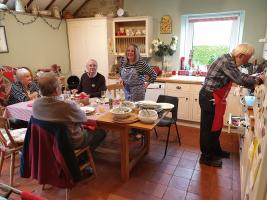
(20,73)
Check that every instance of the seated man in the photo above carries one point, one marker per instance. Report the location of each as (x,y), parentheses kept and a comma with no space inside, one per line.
(92,82)
(51,108)
(23,89)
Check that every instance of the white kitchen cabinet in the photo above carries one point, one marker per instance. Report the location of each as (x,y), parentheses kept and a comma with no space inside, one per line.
(137,30)
(90,38)
(188,108)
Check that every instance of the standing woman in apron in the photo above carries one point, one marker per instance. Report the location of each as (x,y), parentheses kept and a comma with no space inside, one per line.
(212,100)
(132,71)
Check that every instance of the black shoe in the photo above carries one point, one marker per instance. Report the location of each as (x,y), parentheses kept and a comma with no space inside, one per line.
(210,162)
(223,154)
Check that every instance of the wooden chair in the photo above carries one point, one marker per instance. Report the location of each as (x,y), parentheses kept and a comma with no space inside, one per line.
(11,142)
(53,137)
(114,88)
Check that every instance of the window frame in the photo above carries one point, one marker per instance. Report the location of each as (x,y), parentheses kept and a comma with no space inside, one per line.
(187,37)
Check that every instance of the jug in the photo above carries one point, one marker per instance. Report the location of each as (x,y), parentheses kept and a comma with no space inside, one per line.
(19,6)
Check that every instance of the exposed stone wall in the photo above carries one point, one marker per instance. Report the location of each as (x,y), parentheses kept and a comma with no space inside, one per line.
(104,7)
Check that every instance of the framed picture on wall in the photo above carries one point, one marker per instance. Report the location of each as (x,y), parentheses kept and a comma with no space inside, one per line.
(3,40)
(166,24)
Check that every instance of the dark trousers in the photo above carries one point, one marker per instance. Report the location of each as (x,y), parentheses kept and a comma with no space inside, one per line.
(93,138)
(209,141)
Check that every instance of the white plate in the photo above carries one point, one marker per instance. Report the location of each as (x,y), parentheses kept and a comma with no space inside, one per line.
(166,106)
(88,109)
(120,12)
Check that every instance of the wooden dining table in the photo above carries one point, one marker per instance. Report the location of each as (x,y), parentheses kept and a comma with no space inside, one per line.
(23,111)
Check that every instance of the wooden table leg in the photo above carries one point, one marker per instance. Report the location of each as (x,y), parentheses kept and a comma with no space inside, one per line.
(125,169)
(147,141)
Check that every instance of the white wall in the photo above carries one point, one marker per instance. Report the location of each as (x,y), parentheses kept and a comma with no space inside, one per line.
(35,45)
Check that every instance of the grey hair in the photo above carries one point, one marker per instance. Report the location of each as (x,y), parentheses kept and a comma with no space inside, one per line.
(136,52)
(89,61)
(21,72)
(48,83)
(244,48)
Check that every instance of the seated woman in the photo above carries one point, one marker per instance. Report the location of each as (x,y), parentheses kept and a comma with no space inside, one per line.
(23,89)
(92,82)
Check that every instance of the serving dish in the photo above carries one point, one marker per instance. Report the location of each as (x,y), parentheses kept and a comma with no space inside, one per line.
(88,109)
(148,116)
(121,112)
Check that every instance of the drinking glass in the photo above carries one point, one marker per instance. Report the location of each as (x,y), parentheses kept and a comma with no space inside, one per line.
(103,96)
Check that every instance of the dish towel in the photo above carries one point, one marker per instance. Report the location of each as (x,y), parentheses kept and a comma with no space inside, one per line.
(30,196)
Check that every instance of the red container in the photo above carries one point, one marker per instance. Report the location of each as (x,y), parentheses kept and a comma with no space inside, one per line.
(183,72)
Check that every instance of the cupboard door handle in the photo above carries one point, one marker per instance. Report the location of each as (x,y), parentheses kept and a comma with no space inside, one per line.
(195,100)
(178,87)
(186,99)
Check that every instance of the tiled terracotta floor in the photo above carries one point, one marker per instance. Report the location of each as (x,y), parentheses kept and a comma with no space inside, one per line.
(178,176)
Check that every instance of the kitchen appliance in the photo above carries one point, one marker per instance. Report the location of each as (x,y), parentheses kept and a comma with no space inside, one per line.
(154,90)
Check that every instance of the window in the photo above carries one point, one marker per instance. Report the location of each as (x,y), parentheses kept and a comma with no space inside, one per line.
(204,37)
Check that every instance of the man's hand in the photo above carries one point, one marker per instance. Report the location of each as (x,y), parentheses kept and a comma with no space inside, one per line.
(260,79)
(74,91)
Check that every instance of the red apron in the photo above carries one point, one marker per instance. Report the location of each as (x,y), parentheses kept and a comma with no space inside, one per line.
(220,106)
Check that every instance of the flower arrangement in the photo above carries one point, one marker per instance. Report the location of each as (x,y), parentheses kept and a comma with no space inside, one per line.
(161,49)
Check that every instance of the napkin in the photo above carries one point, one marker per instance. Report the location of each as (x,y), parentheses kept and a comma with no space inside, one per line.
(29,104)
(90,125)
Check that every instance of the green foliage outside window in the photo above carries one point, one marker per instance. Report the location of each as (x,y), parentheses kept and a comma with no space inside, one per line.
(204,55)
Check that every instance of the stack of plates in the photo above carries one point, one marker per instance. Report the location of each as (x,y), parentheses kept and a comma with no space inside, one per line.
(148,105)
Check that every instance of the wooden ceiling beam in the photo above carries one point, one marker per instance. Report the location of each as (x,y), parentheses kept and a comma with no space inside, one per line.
(85,2)
(50,4)
(121,3)
(29,3)
(66,6)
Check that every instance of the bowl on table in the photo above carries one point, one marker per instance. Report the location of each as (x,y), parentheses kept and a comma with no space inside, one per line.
(121,112)
(148,116)
(128,104)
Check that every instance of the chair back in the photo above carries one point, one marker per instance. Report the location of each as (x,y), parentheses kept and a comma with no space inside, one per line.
(47,146)
(172,100)
(73,82)
(114,88)
(6,139)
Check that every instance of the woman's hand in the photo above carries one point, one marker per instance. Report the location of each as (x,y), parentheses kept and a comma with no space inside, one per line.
(121,81)
(146,84)
(33,95)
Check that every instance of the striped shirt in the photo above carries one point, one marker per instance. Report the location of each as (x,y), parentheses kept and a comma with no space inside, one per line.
(142,68)
(222,71)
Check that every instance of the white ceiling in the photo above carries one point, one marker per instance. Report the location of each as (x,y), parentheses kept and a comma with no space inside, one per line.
(42,4)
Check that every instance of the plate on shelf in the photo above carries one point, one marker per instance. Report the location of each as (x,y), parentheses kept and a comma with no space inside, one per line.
(88,109)
(166,106)
(120,12)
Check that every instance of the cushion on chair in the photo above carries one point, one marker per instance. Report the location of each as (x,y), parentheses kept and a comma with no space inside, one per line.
(18,135)
(166,121)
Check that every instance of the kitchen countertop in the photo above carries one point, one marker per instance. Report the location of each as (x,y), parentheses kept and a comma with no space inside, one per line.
(176,79)
(182,79)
